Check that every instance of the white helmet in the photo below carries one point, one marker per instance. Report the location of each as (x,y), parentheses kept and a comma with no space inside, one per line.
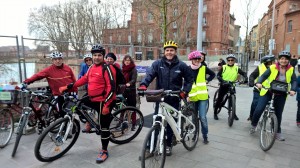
(87,56)
(231,56)
(56,54)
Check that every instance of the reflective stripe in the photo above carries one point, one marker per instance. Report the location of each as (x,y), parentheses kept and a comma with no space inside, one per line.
(198,92)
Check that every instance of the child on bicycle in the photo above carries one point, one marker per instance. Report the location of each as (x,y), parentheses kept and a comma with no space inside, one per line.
(170,74)
(199,92)
(228,73)
(281,71)
(101,92)
(266,62)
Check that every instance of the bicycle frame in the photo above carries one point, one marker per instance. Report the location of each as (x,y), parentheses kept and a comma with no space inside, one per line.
(165,113)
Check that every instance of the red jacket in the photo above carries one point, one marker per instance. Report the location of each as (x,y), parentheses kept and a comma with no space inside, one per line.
(56,77)
(101,88)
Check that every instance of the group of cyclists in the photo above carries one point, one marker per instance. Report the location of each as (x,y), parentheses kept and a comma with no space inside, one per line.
(171,74)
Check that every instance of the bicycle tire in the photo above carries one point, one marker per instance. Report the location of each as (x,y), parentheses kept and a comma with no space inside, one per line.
(231,110)
(20,130)
(148,158)
(121,129)
(215,101)
(192,138)
(267,145)
(54,139)
(6,127)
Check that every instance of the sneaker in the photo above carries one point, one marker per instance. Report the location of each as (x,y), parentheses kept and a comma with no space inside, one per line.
(205,140)
(298,124)
(102,156)
(87,128)
(279,137)
(252,129)
(236,118)
(216,117)
(168,151)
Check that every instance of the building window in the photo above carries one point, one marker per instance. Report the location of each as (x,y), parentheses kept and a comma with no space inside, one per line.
(276,28)
(119,38)
(175,35)
(290,26)
(287,47)
(277,13)
(203,35)
(119,50)
(175,25)
(150,16)
(175,12)
(204,21)
(139,18)
(110,39)
(188,36)
(204,8)
(139,36)
(150,36)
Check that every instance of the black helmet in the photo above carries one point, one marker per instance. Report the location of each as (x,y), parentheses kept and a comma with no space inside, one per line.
(267,58)
(97,48)
(285,54)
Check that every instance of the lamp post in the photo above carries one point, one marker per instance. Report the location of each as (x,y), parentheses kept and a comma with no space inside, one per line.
(272,41)
(199,30)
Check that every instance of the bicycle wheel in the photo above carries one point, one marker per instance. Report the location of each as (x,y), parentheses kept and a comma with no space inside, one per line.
(216,95)
(52,144)
(231,109)
(20,129)
(268,131)
(6,127)
(157,156)
(125,125)
(190,134)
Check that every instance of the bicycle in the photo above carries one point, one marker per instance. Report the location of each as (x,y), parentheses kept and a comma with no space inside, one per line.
(231,106)
(268,124)
(186,128)
(8,97)
(33,114)
(53,143)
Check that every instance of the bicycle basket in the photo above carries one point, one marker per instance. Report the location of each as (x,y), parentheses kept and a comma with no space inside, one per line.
(8,96)
(154,95)
(279,87)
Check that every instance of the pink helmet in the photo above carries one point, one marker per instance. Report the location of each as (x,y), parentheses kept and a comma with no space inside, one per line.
(195,54)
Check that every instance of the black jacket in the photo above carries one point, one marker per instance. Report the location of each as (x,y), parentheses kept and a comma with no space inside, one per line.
(169,75)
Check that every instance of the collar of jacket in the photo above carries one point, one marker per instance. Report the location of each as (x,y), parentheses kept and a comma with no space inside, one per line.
(172,61)
(287,67)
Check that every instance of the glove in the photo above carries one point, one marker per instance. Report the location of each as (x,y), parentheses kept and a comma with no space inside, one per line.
(182,95)
(245,82)
(23,86)
(142,87)
(105,110)
(62,89)
(70,86)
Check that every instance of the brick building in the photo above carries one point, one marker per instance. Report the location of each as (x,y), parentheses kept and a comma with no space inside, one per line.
(143,36)
(286,26)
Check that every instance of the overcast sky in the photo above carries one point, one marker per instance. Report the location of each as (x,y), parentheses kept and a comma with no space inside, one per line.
(14,15)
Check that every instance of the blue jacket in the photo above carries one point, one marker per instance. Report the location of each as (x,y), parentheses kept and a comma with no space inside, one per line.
(83,69)
(298,88)
(174,75)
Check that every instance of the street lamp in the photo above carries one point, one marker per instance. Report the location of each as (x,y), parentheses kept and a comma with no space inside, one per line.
(199,30)
(272,41)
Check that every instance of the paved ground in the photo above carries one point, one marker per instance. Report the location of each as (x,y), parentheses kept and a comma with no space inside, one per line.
(228,147)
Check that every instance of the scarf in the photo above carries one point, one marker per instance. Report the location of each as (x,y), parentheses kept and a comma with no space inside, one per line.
(194,67)
(126,69)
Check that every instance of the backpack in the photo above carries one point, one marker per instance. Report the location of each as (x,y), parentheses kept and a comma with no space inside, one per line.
(120,79)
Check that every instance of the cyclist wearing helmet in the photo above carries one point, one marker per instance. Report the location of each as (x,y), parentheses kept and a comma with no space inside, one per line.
(227,73)
(266,62)
(88,61)
(101,90)
(199,92)
(58,74)
(281,71)
(169,72)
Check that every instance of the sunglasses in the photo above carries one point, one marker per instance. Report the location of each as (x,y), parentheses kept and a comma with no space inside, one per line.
(230,60)
(198,58)
(88,60)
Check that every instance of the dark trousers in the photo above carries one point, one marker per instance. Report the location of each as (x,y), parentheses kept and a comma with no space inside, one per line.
(174,102)
(279,102)
(254,103)
(222,92)
(104,120)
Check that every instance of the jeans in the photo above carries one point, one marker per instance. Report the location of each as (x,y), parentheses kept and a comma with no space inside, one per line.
(200,106)
(279,102)
(254,103)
